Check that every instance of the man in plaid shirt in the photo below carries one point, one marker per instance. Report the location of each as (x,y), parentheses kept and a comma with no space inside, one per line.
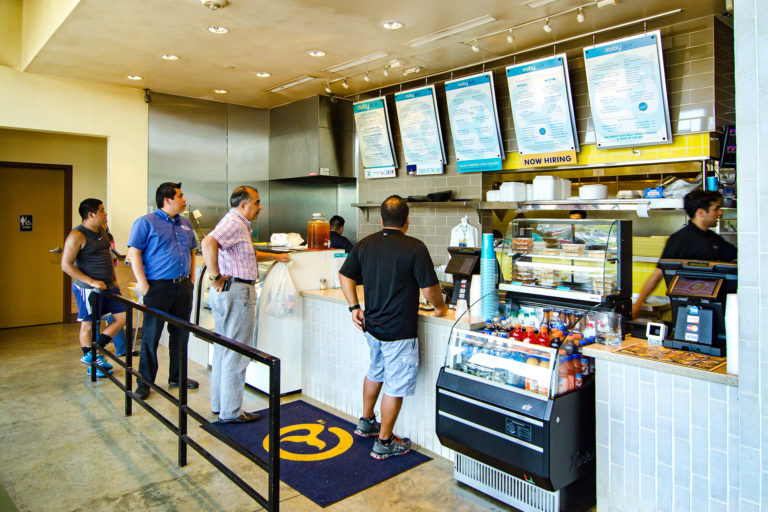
(231,260)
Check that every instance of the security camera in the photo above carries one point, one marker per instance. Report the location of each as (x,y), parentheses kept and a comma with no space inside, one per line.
(147,97)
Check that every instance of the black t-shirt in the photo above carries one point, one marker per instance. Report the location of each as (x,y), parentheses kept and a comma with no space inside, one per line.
(340,242)
(692,243)
(392,268)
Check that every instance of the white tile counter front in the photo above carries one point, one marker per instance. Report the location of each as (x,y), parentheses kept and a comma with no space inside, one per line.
(336,360)
(667,436)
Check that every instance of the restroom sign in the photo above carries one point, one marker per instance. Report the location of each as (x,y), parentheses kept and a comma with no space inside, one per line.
(25,223)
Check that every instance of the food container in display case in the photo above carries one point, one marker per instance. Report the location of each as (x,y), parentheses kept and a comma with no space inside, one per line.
(583,260)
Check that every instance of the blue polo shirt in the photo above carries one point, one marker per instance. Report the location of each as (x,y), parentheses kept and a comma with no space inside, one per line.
(164,243)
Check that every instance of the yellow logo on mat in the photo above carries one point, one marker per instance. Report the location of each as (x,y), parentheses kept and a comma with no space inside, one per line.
(314,430)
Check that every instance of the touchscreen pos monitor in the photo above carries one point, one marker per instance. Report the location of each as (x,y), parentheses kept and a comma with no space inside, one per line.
(697,291)
(464,262)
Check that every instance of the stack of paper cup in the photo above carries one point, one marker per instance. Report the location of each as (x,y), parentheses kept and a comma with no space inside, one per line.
(489,292)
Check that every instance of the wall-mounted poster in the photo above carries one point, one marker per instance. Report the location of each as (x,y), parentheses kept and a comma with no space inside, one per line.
(475,123)
(545,127)
(628,92)
(375,138)
(420,131)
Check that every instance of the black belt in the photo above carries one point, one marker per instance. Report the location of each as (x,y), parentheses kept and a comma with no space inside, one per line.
(175,280)
(245,281)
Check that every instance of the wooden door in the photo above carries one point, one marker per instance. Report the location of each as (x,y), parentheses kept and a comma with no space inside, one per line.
(34,220)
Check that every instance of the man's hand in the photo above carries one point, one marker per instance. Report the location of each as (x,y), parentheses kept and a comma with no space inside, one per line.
(218,284)
(99,285)
(636,309)
(143,287)
(358,317)
(283,258)
(440,311)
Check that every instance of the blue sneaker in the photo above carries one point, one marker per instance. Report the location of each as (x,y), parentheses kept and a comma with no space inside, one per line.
(100,361)
(99,373)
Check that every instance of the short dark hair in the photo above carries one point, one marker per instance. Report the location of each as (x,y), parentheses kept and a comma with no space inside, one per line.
(337,222)
(394,212)
(700,199)
(89,205)
(167,189)
(240,194)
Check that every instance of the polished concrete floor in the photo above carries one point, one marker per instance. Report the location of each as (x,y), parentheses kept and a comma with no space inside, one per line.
(65,445)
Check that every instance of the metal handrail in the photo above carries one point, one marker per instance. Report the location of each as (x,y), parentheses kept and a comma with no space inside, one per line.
(271,465)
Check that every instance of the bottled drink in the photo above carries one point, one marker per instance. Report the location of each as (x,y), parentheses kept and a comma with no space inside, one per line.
(543,338)
(555,340)
(530,336)
(518,334)
(562,372)
(568,345)
(318,232)
(571,373)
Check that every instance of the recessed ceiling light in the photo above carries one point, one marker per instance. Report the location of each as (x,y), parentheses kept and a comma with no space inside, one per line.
(216,29)
(316,53)
(215,4)
(392,24)
(170,56)
(263,74)
(219,91)
(134,77)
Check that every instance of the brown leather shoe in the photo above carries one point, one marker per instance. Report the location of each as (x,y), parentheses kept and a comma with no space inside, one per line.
(245,417)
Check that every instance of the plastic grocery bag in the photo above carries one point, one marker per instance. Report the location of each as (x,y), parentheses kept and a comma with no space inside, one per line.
(279,292)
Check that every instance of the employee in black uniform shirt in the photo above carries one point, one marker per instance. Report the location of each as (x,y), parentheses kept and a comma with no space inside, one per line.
(337,240)
(695,241)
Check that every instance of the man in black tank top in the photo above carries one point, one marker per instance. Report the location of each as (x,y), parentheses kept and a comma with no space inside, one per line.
(87,259)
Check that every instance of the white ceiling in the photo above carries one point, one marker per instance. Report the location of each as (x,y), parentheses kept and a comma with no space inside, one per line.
(104,41)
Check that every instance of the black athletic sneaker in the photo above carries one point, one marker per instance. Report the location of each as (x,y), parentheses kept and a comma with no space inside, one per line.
(396,446)
(367,427)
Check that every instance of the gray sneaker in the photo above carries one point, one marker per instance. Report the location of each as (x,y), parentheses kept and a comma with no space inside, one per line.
(396,446)
(367,427)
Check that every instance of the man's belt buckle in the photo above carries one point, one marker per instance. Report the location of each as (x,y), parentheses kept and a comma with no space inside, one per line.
(176,280)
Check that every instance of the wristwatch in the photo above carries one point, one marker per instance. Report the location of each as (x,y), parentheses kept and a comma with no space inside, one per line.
(215,278)
(352,308)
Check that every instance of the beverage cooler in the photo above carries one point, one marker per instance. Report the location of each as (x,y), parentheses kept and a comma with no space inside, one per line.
(516,400)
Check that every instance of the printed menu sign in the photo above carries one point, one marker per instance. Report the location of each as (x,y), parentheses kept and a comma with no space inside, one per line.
(420,131)
(627,92)
(375,137)
(540,96)
(474,123)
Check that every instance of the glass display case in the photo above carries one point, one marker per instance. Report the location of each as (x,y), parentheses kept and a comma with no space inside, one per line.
(528,369)
(588,260)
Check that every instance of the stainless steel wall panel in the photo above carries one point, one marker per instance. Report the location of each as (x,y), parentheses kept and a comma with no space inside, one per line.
(293,202)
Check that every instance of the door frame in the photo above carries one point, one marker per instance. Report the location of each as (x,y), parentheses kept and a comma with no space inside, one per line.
(66,315)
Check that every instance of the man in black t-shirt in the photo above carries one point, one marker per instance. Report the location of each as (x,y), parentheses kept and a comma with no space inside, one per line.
(393,269)
(695,241)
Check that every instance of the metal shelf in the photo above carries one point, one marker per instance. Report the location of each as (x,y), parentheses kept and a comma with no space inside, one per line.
(462,203)
(585,204)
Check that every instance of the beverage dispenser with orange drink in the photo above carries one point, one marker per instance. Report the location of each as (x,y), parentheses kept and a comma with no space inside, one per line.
(318,232)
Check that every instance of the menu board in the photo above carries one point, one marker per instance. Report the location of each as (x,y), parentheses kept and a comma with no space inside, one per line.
(540,96)
(420,131)
(474,123)
(375,138)
(628,92)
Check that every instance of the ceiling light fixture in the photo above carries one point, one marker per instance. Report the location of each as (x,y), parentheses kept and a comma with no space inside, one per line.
(474,46)
(134,77)
(216,29)
(214,4)
(446,32)
(219,91)
(392,24)
(316,53)
(366,77)
(414,69)
(293,83)
(356,62)
(394,63)
(345,84)
(547,27)
(169,56)
(327,88)
(605,3)
(263,74)
(385,71)
(510,37)
(580,16)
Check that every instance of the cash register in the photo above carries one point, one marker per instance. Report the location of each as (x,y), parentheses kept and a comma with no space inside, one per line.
(463,264)
(697,291)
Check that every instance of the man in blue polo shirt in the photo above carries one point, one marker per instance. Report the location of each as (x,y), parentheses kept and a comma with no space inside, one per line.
(161,249)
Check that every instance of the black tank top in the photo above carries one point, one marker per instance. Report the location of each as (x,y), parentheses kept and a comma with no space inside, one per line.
(95,258)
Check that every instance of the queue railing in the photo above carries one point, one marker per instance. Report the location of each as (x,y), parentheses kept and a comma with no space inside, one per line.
(271,465)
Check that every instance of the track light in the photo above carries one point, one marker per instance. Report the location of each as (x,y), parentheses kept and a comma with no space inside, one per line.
(344,84)
(547,27)
(366,77)
(475,48)
(580,16)
(386,71)
(510,37)
(328,88)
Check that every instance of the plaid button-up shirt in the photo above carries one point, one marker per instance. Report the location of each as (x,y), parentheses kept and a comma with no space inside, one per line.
(237,257)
